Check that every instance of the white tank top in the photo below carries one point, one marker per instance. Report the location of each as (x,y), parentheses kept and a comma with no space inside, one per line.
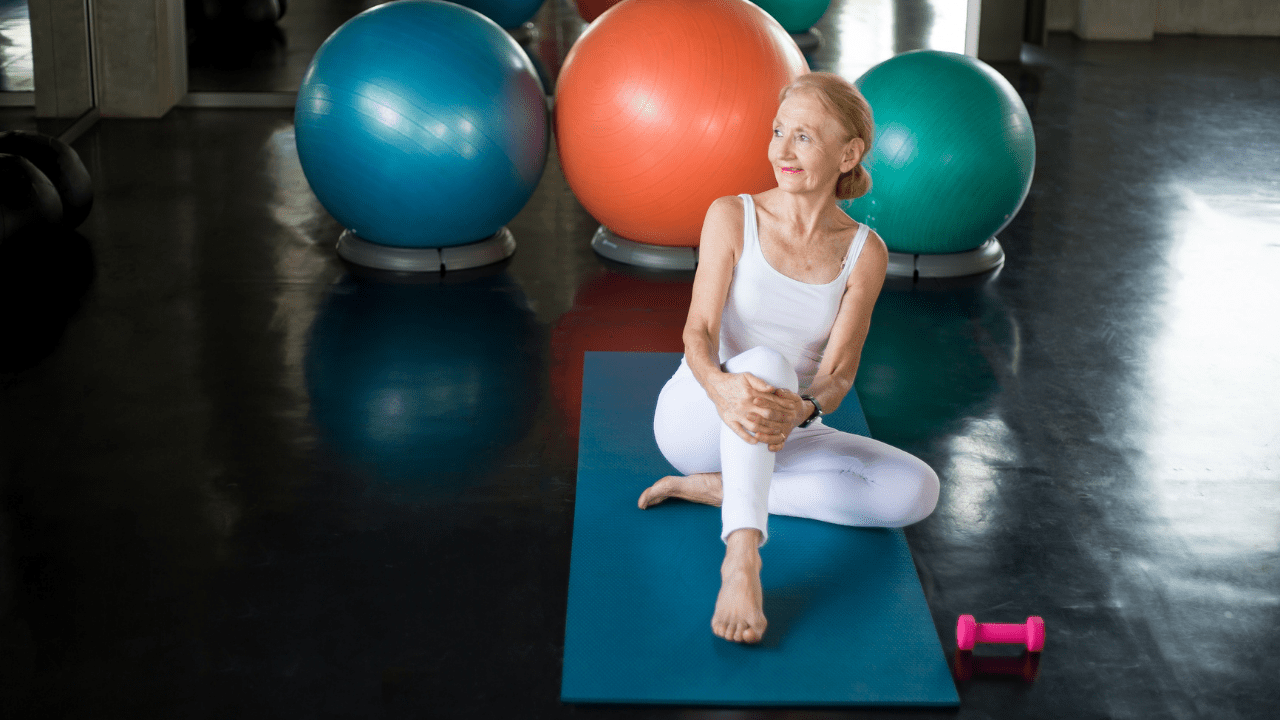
(768,308)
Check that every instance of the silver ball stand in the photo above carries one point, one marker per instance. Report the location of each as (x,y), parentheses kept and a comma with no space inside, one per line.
(987,256)
(610,245)
(355,249)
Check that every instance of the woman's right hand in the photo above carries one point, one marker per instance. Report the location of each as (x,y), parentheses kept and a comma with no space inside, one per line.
(750,407)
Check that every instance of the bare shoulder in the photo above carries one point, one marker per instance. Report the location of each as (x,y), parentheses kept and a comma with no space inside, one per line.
(876,248)
(873,262)
(727,208)
(722,229)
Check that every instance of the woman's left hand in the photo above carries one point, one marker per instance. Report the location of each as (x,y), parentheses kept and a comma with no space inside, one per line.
(797,410)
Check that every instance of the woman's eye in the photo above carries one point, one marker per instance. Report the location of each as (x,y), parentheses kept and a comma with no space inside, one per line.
(804,137)
(777,132)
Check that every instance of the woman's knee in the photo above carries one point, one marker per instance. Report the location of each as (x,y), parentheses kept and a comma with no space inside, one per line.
(768,365)
(914,491)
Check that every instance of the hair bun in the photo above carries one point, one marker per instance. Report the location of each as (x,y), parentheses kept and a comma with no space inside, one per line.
(853,184)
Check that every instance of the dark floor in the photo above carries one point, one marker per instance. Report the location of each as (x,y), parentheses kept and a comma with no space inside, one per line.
(220,495)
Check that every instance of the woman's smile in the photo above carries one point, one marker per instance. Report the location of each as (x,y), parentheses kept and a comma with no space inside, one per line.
(792,170)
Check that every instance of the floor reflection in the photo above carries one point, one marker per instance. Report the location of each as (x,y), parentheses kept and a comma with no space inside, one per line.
(933,358)
(1212,347)
(620,312)
(405,390)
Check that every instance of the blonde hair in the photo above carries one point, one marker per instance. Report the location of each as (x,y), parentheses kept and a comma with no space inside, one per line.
(847,104)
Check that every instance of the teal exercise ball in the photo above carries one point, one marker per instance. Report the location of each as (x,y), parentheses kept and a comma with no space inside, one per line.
(795,16)
(953,155)
(422,124)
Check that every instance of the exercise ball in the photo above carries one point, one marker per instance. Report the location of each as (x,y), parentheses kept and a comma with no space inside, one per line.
(507,13)
(665,105)
(953,155)
(27,199)
(592,9)
(796,16)
(61,164)
(424,386)
(421,124)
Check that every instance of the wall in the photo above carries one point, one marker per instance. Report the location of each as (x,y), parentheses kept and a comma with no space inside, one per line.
(141,56)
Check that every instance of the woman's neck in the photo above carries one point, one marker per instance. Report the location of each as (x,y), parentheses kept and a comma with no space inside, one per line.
(802,214)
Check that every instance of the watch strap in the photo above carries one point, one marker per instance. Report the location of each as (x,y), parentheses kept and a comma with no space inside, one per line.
(817,411)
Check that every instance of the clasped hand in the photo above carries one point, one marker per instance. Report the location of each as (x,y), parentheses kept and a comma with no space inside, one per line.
(757,411)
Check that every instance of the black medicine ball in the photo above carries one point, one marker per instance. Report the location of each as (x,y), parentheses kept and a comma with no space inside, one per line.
(61,164)
(27,198)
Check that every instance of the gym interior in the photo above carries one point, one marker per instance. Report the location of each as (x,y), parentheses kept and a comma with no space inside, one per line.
(241,476)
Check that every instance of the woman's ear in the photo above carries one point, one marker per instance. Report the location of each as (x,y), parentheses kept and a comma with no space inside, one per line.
(853,151)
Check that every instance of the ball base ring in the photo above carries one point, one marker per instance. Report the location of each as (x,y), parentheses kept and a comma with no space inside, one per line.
(629,252)
(494,249)
(985,257)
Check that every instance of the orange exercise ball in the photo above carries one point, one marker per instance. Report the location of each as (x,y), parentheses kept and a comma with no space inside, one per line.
(662,106)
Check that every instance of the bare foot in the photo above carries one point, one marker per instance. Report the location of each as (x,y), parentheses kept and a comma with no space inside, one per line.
(739,612)
(700,488)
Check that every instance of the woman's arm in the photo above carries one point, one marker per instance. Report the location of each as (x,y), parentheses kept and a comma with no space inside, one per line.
(718,251)
(840,360)
(745,403)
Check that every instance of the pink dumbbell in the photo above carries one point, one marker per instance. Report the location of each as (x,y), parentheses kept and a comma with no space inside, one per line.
(968,632)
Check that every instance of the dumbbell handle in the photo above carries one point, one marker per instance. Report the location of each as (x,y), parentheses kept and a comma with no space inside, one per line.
(969,632)
(1001,633)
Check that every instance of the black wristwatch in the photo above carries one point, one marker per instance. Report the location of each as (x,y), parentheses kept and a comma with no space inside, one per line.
(817,411)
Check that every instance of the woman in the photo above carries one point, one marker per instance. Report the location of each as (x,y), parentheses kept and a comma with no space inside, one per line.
(782,301)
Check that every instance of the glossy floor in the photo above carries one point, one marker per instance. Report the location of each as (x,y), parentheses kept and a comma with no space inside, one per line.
(239,480)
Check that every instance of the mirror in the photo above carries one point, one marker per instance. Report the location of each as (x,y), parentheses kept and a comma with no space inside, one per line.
(49,39)
(17,76)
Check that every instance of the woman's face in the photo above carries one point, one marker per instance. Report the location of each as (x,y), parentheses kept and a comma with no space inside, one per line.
(809,149)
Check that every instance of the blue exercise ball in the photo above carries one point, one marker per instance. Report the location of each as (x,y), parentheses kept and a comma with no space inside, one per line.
(507,13)
(421,124)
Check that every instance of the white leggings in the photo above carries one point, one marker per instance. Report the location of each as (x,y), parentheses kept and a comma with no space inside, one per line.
(820,472)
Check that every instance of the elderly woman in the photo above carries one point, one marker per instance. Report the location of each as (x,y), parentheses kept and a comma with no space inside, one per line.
(781,306)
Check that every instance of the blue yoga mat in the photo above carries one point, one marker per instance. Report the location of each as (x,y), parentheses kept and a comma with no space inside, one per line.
(848,622)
